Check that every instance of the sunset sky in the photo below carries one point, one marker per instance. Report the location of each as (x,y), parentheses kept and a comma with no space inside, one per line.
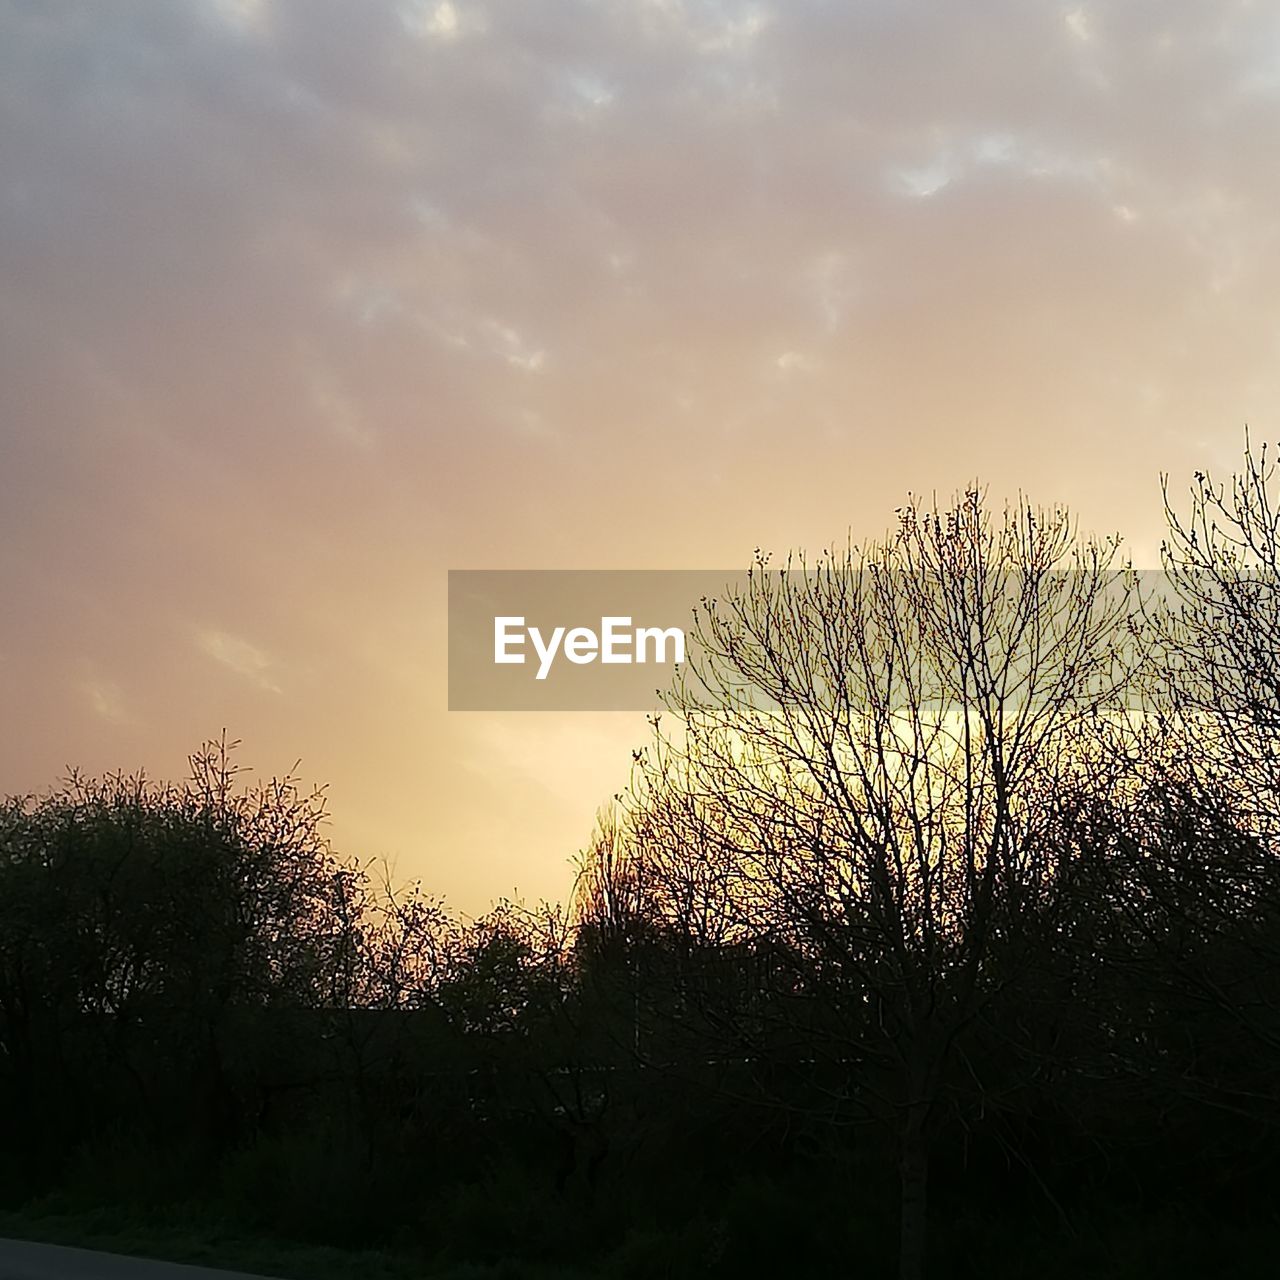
(304,303)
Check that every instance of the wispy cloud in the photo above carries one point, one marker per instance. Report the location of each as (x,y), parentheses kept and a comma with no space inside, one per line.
(107,700)
(239,656)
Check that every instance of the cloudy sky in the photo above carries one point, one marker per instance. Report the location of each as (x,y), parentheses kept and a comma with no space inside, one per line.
(303,302)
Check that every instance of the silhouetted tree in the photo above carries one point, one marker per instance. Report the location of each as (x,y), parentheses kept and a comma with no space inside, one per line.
(866,759)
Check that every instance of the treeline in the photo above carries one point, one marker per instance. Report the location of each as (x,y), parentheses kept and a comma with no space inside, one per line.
(937,931)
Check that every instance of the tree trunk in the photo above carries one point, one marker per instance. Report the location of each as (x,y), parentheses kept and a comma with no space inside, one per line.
(914,1170)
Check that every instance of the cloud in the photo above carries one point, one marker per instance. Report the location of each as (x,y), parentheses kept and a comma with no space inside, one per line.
(106,699)
(795,362)
(1079,24)
(440,21)
(245,17)
(239,656)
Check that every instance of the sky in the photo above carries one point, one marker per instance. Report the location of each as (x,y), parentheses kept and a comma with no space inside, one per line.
(305,302)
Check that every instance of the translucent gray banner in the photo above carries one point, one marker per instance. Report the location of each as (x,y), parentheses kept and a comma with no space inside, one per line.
(612,640)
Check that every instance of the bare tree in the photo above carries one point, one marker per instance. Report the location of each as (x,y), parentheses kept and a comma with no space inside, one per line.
(1222,560)
(1196,878)
(864,757)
